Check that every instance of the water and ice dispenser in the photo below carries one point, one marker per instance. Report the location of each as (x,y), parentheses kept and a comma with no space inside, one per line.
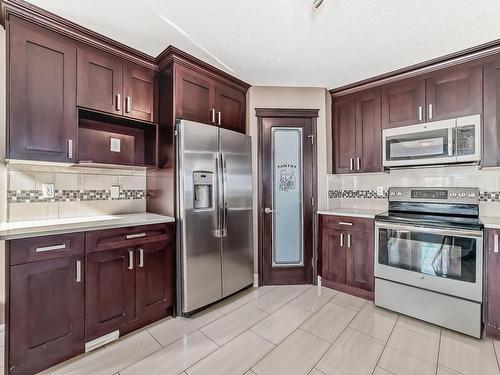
(203,183)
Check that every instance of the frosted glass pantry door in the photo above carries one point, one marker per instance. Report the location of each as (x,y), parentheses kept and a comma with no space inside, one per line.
(287,196)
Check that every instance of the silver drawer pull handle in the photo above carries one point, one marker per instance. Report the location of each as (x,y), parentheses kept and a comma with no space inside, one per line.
(131,259)
(141,258)
(495,243)
(341,239)
(344,223)
(138,235)
(50,248)
(78,271)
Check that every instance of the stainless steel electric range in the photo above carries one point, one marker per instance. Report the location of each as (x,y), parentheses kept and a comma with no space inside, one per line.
(429,257)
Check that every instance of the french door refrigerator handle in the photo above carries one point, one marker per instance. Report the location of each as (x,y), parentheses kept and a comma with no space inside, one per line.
(224,203)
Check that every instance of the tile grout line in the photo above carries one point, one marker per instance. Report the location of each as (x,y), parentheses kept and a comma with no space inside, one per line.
(385,346)
(296,329)
(247,330)
(439,350)
(340,334)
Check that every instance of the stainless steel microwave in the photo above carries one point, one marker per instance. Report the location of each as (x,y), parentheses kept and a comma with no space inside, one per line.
(440,142)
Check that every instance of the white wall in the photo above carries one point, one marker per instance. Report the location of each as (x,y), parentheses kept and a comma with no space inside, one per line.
(291,97)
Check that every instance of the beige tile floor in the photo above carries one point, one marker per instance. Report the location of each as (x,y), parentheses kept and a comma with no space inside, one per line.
(291,330)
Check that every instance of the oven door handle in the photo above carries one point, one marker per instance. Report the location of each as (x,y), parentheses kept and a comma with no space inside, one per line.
(418,229)
(451,132)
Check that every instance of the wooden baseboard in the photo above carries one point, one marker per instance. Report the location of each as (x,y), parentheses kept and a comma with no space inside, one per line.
(369,295)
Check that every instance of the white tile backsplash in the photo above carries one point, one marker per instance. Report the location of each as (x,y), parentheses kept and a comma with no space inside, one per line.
(30,177)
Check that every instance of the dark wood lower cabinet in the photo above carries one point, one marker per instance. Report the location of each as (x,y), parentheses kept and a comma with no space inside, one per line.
(345,250)
(154,278)
(492,291)
(110,291)
(46,309)
(66,290)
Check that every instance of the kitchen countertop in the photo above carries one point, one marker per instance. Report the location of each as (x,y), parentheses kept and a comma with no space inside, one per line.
(34,228)
(354,212)
(490,222)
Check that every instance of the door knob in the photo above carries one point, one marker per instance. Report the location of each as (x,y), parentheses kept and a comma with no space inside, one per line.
(267,210)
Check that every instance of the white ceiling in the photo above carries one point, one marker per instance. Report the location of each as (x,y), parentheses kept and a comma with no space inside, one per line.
(283,43)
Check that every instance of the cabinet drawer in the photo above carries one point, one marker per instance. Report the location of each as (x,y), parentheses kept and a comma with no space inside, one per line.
(348,223)
(35,249)
(130,236)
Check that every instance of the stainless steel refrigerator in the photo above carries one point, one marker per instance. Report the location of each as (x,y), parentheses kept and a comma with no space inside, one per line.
(214,212)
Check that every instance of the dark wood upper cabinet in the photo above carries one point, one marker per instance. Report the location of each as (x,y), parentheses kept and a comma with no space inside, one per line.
(42,118)
(138,92)
(230,105)
(46,302)
(368,132)
(100,78)
(344,134)
(154,277)
(193,96)
(492,294)
(110,296)
(491,122)
(403,103)
(357,133)
(454,93)
(202,98)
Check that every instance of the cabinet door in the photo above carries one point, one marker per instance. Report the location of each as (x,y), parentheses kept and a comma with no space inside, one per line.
(138,92)
(368,132)
(99,81)
(154,277)
(403,103)
(491,138)
(194,96)
(344,134)
(230,106)
(42,96)
(110,291)
(333,256)
(492,283)
(47,314)
(359,260)
(454,93)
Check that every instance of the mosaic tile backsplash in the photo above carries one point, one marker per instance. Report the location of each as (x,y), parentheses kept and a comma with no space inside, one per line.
(484,196)
(360,190)
(78,192)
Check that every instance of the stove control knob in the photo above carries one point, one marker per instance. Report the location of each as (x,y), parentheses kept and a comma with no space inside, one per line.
(399,193)
(393,193)
(453,194)
(472,195)
(461,195)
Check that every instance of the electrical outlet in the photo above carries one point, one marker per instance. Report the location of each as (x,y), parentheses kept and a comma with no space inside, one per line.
(48,191)
(380,191)
(115,145)
(115,191)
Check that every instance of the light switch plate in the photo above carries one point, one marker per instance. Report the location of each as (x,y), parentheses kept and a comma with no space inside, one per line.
(115,191)
(115,145)
(380,191)
(48,191)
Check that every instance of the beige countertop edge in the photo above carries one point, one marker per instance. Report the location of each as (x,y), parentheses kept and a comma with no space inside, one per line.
(10,231)
(490,222)
(354,212)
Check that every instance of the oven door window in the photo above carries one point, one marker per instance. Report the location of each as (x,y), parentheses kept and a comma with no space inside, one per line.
(433,254)
(422,145)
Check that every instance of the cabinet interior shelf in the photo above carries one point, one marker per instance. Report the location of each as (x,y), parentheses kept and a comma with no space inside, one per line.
(107,139)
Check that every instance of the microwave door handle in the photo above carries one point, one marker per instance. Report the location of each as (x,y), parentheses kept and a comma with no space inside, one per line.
(450,141)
